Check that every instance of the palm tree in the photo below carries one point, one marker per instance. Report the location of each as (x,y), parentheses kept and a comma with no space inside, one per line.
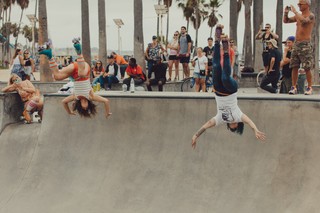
(45,74)
(138,33)
(247,34)
(279,22)
(187,10)
(257,24)
(168,3)
(235,7)
(213,19)
(23,4)
(102,31)
(86,48)
(315,39)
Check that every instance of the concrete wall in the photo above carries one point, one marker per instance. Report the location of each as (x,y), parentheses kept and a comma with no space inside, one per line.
(11,108)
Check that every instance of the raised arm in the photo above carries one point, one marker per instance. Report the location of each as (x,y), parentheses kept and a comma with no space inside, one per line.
(208,124)
(66,102)
(9,88)
(98,98)
(259,135)
(286,18)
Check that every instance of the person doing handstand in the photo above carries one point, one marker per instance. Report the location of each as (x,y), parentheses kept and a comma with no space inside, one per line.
(83,96)
(226,95)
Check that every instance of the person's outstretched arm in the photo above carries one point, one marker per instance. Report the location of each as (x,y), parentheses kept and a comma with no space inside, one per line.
(259,135)
(66,102)
(98,98)
(9,88)
(208,124)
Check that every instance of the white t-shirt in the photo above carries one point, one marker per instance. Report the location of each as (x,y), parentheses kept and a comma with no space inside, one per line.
(111,69)
(228,110)
(200,63)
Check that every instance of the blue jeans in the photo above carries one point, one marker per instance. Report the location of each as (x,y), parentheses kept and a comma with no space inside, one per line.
(109,80)
(222,81)
(150,65)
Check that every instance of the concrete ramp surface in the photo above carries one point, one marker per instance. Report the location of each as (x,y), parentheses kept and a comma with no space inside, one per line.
(141,160)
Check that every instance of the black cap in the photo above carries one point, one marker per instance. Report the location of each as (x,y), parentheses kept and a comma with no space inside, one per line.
(110,57)
(154,37)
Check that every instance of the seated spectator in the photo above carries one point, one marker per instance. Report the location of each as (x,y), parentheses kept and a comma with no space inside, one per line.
(286,82)
(29,95)
(110,76)
(160,71)
(134,71)
(97,71)
(121,62)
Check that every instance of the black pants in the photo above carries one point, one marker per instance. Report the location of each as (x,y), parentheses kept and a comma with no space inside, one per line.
(160,82)
(272,78)
(137,81)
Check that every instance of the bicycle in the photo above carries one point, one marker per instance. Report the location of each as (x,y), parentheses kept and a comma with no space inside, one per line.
(188,84)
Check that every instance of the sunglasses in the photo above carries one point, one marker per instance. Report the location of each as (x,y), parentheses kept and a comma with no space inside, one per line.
(26,53)
(99,63)
(267,27)
(175,34)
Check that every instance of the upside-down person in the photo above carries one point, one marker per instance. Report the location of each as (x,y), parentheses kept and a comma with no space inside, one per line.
(226,95)
(83,96)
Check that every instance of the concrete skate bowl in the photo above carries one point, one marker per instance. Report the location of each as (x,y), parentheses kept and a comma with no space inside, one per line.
(141,160)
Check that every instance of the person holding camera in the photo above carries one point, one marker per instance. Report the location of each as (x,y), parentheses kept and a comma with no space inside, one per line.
(302,52)
(266,35)
(200,64)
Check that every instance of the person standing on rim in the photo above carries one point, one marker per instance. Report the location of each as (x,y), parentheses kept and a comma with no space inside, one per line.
(302,52)
(266,35)
(184,50)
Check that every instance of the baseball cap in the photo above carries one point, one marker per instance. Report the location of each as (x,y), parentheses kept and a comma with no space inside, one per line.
(154,37)
(291,38)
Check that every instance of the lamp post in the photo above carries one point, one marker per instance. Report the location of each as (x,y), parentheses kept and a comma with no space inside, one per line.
(33,19)
(119,23)
(161,10)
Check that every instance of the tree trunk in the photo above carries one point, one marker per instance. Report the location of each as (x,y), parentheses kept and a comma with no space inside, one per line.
(167,34)
(248,34)
(16,42)
(257,25)
(279,17)
(138,34)
(233,22)
(158,20)
(197,28)
(86,48)
(102,31)
(45,74)
(315,40)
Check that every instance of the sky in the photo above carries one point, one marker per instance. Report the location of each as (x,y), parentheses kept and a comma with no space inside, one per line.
(64,21)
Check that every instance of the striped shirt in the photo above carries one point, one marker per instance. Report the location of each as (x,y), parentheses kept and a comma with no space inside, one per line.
(82,88)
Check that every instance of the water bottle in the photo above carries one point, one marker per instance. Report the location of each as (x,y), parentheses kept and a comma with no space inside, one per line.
(98,86)
(94,88)
(132,85)
(124,87)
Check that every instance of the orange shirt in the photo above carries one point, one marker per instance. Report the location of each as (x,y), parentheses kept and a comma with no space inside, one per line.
(120,60)
(135,71)
(231,54)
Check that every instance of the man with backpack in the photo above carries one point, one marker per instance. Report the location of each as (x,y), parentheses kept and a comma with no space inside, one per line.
(184,50)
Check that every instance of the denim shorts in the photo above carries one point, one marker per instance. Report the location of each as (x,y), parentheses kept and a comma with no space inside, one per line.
(197,75)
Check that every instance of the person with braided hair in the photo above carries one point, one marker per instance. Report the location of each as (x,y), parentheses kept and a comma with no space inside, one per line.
(83,98)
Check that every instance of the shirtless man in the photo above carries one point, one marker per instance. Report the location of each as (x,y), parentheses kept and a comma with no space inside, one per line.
(29,95)
(302,50)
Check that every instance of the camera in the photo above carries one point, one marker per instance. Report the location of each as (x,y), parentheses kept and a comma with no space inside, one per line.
(288,8)
(263,30)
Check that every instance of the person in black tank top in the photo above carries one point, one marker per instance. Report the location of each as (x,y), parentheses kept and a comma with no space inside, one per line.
(266,35)
(286,82)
